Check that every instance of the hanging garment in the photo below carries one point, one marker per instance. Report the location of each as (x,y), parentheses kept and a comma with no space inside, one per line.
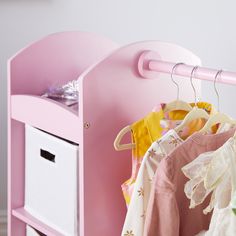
(151,128)
(168,210)
(215,174)
(196,172)
(135,217)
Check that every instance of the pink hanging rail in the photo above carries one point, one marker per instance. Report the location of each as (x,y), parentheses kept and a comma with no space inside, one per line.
(201,73)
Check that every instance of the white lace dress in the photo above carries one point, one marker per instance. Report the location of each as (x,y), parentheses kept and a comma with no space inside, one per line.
(135,217)
(214,173)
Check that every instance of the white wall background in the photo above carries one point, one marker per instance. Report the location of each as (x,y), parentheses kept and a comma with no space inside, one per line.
(205,27)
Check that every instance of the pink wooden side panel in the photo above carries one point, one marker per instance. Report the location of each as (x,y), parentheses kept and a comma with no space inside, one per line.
(46,114)
(16,166)
(56,59)
(114,95)
(53,60)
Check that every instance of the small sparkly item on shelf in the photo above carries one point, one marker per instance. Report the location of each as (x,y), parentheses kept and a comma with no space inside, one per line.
(67,94)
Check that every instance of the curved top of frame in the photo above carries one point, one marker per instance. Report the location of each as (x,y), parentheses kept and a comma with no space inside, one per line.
(55,60)
(115,95)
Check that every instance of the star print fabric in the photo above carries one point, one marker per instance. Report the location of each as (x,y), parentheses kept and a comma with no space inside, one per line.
(135,218)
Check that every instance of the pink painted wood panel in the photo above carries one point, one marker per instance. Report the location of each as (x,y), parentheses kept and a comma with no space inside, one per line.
(56,59)
(46,114)
(24,216)
(114,95)
(53,60)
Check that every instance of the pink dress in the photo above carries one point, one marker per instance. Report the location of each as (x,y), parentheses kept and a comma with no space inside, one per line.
(168,212)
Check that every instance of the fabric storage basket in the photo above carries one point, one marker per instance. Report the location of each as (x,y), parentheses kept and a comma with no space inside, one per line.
(32,232)
(51,186)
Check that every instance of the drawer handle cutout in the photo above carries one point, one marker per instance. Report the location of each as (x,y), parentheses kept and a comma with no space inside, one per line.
(47,155)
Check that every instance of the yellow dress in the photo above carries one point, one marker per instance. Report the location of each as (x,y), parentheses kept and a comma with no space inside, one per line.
(151,128)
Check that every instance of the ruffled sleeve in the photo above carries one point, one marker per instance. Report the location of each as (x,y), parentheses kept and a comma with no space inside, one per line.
(205,174)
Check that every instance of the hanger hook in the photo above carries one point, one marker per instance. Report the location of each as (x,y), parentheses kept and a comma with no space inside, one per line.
(171,75)
(191,80)
(217,93)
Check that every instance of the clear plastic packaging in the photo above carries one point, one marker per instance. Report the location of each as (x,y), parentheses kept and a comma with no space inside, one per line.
(67,94)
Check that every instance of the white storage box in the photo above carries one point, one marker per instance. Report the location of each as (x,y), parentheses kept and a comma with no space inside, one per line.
(32,232)
(51,186)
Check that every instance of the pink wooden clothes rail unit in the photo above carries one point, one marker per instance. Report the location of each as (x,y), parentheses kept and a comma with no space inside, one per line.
(112,94)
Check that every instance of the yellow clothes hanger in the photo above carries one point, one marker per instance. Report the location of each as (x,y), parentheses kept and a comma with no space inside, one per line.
(177,104)
(195,113)
(218,118)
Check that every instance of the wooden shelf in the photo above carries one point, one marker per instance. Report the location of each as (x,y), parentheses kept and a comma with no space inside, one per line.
(46,114)
(27,218)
